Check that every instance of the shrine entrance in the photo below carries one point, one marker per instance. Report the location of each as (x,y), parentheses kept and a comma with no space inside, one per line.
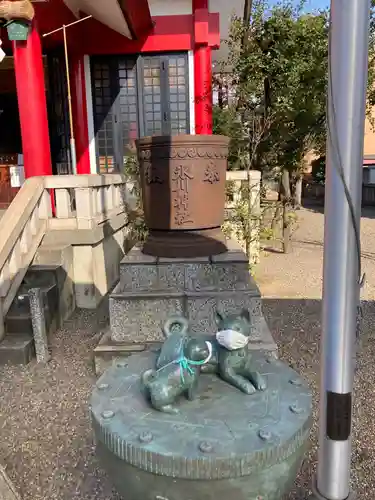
(11,161)
(11,157)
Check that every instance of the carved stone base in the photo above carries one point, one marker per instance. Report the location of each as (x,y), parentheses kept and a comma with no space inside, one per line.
(151,289)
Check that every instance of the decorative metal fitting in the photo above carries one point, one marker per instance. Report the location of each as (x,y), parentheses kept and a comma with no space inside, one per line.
(206,447)
(295,381)
(121,363)
(265,435)
(108,414)
(296,409)
(146,437)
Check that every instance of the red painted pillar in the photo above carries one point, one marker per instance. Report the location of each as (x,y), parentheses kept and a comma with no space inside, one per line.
(32,105)
(203,89)
(202,69)
(79,110)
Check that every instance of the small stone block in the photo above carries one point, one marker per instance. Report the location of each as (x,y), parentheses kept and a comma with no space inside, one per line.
(38,319)
(141,272)
(228,271)
(20,324)
(171,276)
(183,260)
(201,314)
(254,286)
(233,276)
(16,350)
(261,336)
(138,278)
(200,277)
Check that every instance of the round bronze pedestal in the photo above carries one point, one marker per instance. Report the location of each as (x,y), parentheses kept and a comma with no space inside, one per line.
(183,189)
(224,444)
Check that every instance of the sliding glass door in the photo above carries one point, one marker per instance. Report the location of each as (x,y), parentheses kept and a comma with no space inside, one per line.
(135,97)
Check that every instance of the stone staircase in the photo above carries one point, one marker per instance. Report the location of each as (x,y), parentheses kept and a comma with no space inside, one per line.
(50,271)
(18,344)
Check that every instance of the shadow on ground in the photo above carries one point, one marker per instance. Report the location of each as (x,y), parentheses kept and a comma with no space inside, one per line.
(318,206)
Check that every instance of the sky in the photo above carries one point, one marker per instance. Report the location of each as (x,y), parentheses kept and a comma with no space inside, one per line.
(317,4)
(313,4)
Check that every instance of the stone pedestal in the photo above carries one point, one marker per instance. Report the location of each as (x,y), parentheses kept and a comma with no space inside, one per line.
(151,289)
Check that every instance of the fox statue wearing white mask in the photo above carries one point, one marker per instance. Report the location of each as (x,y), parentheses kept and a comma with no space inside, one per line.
(231,356)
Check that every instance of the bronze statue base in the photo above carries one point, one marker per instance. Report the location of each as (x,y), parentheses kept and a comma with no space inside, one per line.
(222,444)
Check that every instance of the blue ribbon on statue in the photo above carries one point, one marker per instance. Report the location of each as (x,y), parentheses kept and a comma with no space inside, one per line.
(186,363)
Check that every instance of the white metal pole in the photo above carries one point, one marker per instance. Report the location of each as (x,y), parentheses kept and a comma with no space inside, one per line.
(348,62)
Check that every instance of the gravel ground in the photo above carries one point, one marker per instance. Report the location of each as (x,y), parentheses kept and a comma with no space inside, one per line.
(45,437)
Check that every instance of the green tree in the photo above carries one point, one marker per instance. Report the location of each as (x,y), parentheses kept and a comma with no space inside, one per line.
(279,61)
(279,70)
(280,75)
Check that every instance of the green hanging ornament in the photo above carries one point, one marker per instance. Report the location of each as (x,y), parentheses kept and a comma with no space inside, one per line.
(18,30)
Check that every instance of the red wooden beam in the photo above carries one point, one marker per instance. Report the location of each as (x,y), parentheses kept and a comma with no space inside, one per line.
(170,33)
(167,35)
(138,17)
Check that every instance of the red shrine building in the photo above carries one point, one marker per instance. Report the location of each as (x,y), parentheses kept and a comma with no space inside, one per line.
(136,68)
